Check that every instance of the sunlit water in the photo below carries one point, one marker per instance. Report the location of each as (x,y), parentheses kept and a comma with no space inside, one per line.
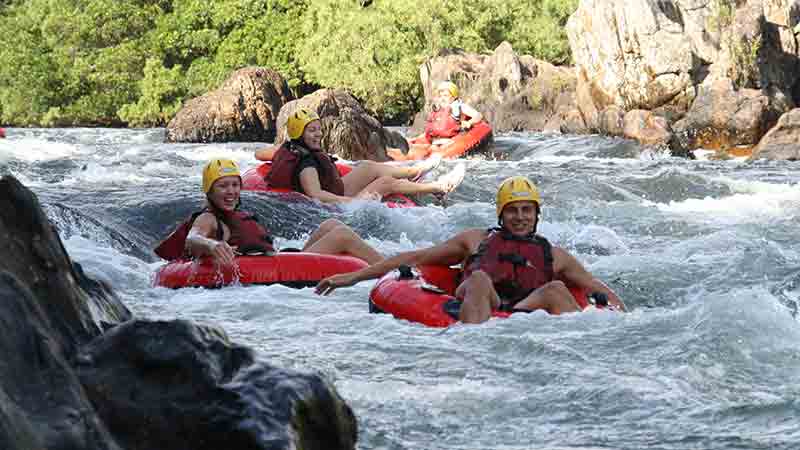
(705,254)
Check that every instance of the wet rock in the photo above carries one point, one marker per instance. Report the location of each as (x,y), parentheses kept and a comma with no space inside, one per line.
(782,141)
(176,385)
(46,315)
(78,373)
(512,92)
(647,128)
(243,109)
(33,253)
(722,117)
(348,129)
(611,121)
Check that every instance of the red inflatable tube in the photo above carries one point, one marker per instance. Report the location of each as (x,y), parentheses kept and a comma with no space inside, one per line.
(473,139)
(253,180)
(427,296)
(295,269)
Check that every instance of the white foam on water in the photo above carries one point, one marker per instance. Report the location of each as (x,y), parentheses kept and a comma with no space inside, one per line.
(32,149)
(108,264)
(98,174)
(756,202)
(204,153)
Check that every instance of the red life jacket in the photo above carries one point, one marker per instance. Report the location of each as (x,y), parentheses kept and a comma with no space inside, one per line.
(246,233)
(284,172)
(442,123)
(516,265)
(2,133)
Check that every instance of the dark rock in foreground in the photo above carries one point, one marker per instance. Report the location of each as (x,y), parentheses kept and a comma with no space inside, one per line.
(165,385)
(78,373)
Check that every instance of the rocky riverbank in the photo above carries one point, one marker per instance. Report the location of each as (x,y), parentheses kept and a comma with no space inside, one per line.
(679,74)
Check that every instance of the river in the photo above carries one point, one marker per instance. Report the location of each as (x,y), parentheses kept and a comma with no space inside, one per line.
(704,253)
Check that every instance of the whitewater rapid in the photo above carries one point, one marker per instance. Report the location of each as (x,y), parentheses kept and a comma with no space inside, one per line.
(704,253)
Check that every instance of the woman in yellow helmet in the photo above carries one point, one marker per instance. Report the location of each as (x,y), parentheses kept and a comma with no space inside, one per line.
(302,165)
(508,268)
(221,229)
(449,117)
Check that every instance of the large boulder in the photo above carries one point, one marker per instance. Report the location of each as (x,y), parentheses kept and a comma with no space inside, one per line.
(723,117)
(782,141)
(512,92)
(348,129)
(32,253)
(78,373)
(45,317)
(758,49)
(177,385)
(647,128)
(243,109)
(634,53)
(689,60)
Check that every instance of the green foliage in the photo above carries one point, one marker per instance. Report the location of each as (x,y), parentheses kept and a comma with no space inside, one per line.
(723,15)
(376,51)
(136,61)
(744,62)
(162,90)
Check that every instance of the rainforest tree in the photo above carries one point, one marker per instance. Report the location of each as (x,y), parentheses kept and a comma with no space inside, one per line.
(134,62)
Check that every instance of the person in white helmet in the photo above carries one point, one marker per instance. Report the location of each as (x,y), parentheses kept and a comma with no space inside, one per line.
(449,117)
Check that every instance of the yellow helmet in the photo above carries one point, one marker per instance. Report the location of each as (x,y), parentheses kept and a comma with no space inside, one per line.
(298,121)
(515,189)
(216,169)
(450,87)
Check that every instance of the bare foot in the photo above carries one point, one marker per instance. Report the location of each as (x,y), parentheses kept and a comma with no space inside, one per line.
(450,181)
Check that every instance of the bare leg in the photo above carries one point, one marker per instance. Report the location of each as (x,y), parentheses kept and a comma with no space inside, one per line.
(415,151)
(553,297)
(479,298)
(323,229)
(341,239)
(385,185)
(369,171)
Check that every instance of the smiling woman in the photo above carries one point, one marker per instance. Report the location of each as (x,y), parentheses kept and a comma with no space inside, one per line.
(222,230)
(301,164)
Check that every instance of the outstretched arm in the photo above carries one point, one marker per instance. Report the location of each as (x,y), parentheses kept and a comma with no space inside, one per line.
(571,271)
(450,252)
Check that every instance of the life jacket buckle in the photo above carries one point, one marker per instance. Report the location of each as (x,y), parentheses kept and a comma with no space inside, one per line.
(513,258)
